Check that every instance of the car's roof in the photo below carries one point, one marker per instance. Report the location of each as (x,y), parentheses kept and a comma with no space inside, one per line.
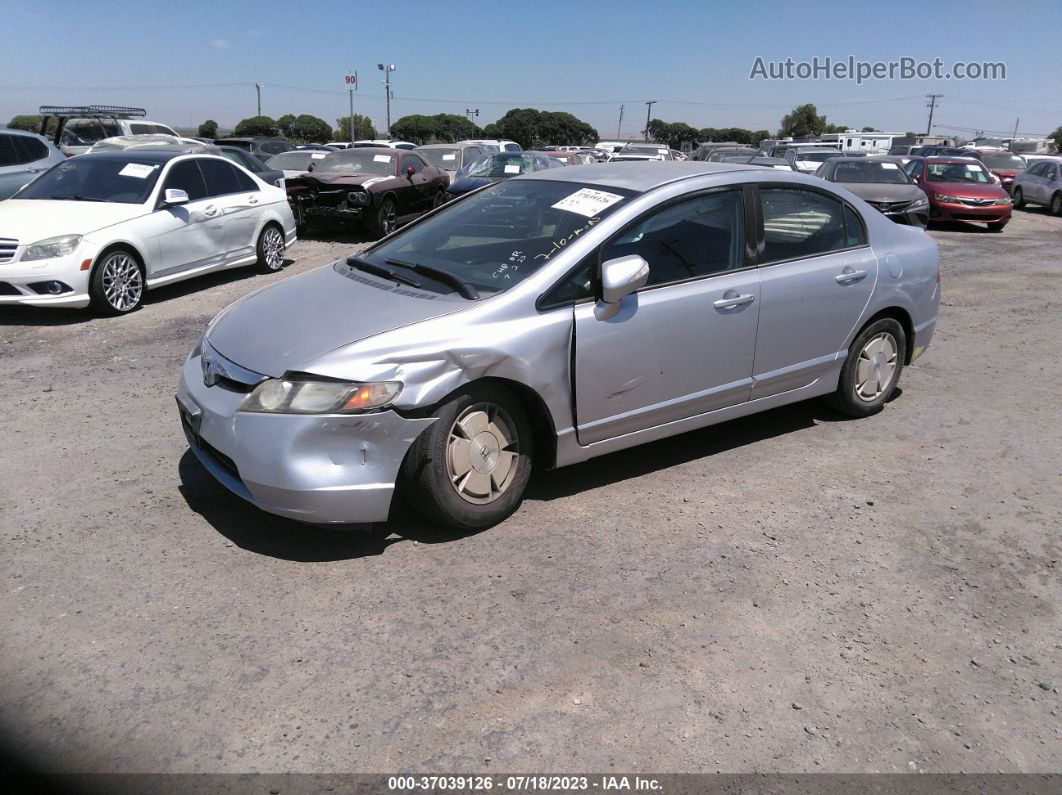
(459,145)
(14,131)
(152,155)
(641,176)
(374,150)
(947,159)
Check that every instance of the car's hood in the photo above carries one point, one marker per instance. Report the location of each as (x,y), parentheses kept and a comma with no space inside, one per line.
(877,192)
(466,184)
(365,180)
(970,189)
(287,325)
(29,220)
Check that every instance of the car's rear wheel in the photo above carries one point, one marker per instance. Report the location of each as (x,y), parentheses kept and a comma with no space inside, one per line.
(270,249)
(470,468)
(1056,204)
(1019,197)
(386,217)
(117,283)
(872,370)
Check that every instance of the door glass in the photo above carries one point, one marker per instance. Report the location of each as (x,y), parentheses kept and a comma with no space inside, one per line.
(8,154)
(29,149)
(220,177)
(186,176)
(855,233)
(800,223)
(692,238)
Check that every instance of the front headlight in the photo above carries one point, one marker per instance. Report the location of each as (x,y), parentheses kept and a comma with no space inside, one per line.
(1005,200)
(307,396)
(52,247)
(917,204)
(947,199)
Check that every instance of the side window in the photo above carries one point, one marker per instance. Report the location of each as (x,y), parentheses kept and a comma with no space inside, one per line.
(696,237)
(159,128)
(1040,169)
(913,169)
(513,148)
(273,147)
(251,163)
(800,223)
(186,176)
(855,234)
(136,128)
(9,156)
(29,149)
(220,177)
(575,287)
(245,183)
(412,160)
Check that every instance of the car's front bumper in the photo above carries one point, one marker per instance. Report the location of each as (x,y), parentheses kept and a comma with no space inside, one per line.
(313,468)
(989,213)
(24,282)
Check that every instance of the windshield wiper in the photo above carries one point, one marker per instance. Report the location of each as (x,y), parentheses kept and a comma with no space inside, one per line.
(465,289)
(78,198)
(380,270)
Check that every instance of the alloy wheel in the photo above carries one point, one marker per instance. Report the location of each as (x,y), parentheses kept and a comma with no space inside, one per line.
(123,283)
(388,217)
(877,367)
(481,453)
(273,248)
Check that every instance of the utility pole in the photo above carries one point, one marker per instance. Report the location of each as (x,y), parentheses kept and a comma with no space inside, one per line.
(387,69)
(258,88)
(932,105)
(619,125)
(472,113)
(1016,122)
(648,113)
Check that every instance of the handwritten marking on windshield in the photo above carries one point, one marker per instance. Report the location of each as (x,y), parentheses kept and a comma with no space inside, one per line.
(559,244)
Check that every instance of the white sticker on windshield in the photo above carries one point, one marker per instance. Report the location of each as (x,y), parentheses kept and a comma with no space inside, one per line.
(513,168)
(138,170)
(449,157)
(381,158)
(891,166)
(587,202)
(318,155)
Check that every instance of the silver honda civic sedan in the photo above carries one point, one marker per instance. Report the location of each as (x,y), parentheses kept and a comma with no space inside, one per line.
(546,320)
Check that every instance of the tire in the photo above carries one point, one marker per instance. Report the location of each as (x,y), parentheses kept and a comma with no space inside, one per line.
(998,227)
(1018,197)
(457,472)
(270,249)
(1056,204)
(116,286)
(856,395)
(439,200)
(386,220)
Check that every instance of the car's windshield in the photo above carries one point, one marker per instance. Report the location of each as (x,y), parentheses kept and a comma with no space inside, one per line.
(501,235)
(645,150)
(97,179)
(363,160)
(957,172)
(864,171)
(502,166)
(295,161)
(88,131)
(1004,161)
(816,157)
(449,159)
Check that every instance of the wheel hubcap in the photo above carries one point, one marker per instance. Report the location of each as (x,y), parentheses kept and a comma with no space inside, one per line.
(481,453)
(273,247)
(122,282)
(389,215)
(876,368)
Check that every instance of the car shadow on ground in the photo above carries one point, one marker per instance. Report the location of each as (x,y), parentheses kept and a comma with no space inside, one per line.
(55,316)
(966,227)
(265,534)
(337,234)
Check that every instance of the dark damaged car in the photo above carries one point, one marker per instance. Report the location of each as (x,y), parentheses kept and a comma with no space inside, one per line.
(373,187)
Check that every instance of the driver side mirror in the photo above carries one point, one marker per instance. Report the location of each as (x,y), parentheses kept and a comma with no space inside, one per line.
(619,278)
(173,196)
(410,171)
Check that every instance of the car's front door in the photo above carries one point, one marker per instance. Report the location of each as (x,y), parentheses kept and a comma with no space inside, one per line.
(817,274)
(190,235)
(417,195)
(238,198)
(683,345)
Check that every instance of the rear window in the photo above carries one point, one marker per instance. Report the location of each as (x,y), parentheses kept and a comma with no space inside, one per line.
(9,156)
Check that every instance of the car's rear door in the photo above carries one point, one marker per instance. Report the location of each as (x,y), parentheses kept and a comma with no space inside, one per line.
(683,345)
(817,273)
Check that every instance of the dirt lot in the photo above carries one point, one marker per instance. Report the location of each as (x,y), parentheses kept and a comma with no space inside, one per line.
(790,592)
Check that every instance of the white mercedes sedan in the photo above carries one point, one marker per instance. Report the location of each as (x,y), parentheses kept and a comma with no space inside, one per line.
(100,229)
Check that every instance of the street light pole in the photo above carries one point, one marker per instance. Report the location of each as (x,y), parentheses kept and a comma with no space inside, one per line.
(471,113)
(258,88)
(387,69)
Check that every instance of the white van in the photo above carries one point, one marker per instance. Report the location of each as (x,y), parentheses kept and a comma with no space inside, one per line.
(495,144)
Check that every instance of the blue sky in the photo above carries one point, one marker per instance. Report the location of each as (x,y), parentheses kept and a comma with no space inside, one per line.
(188,61)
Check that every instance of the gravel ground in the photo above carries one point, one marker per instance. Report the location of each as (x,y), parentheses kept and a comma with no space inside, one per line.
(789,592)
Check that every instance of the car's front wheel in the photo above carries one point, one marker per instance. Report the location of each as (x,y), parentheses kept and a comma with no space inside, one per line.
(872,370)
(1056,204)
(117,284)
(270,250)
(470,468)
(386,217)
(1019,197)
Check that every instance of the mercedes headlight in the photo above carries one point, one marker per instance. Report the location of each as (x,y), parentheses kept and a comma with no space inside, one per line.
(52,247)
(313,396)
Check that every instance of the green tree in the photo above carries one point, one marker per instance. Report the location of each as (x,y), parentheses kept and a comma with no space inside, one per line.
(760,135)
(208,129)
(257,125)
(492,130)
(452,127)
(802,121)
(416,128)
(286,125)
(311,129)
(32,123)
(1056,136)
(675,134)
(363,129)
(533,128)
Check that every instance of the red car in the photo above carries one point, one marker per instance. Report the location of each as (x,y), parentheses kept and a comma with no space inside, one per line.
(961,189)
(1003,165)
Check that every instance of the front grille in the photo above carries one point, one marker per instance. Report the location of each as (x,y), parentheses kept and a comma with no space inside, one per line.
(7,249)
(891,207)
(9,289)
(977,202)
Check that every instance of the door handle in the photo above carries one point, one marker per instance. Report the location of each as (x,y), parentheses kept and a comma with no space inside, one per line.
(732,299)
(210,211)
(848,276)
(253,200)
